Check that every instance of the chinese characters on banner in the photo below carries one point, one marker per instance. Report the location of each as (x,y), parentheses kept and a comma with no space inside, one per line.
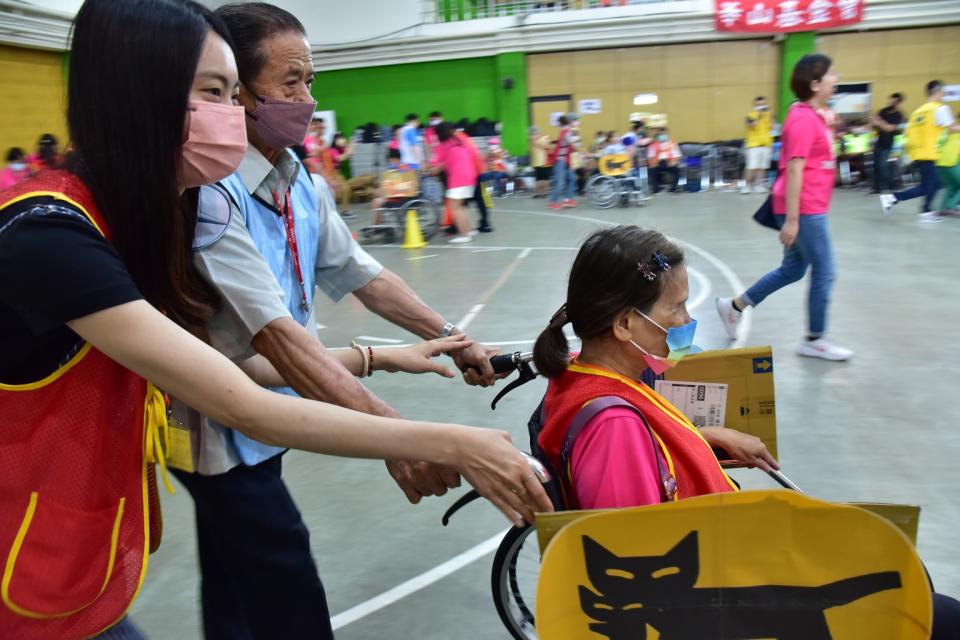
(779,16)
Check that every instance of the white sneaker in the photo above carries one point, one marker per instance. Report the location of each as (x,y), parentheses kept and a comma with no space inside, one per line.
(746,189)
(473,232)
(929,217)
(760,189)
(821,348)
(729,316)
(887,200)
(460,240)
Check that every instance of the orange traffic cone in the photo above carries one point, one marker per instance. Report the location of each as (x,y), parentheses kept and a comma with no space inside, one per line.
(414,237)
(447,214)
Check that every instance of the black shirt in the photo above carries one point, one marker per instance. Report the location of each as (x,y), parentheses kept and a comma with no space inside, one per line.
(54,267)
(890,115)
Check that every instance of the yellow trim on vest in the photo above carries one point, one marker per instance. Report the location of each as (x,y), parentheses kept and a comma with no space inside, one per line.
(157,432)
(18,546)
(53,377)
(658,401)
(58,196)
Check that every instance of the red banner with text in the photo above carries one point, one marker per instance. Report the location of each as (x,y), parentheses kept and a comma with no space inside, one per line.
(783,16)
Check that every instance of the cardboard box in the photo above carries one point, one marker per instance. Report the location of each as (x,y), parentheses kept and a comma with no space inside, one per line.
(748,374)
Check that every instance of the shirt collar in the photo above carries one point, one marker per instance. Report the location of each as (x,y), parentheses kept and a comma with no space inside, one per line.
(260,175)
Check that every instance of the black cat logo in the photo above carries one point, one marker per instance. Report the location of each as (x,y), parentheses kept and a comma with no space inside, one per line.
(629,593)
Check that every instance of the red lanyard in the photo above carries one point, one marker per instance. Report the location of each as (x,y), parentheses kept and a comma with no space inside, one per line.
(286,212)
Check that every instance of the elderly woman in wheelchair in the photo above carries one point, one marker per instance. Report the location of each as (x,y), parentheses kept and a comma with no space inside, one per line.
(613,440)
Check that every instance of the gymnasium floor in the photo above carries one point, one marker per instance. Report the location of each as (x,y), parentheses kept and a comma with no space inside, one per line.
(883,427)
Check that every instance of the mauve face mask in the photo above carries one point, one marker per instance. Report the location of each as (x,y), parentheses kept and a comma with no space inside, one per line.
(281,123)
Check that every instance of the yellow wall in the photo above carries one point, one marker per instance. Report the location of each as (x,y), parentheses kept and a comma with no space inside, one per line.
(705,89)
(32,98)
(901,60)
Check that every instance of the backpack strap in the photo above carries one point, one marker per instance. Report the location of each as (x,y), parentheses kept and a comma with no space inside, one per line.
(587,413)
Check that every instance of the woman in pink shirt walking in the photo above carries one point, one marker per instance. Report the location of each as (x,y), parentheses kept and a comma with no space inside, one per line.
(460,162)
(801,199)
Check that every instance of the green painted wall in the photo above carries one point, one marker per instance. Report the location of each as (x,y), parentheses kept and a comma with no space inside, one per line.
(794,47)
(468,88)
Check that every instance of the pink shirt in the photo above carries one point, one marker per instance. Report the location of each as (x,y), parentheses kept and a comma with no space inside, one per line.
(806,135)
(613,463)
(458,160)
(335,154)
(9,177)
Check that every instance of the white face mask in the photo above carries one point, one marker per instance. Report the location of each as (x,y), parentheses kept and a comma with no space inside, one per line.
(17,166)
(435,122)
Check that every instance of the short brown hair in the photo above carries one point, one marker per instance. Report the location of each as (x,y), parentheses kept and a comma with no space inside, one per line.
(810,68)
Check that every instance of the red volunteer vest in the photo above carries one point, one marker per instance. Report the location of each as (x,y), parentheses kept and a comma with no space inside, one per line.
(76,487)
(689,458)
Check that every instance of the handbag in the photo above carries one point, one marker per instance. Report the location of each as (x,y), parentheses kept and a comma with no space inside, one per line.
(764,215)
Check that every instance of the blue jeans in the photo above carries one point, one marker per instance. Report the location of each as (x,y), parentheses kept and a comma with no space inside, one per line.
(564,181)
(812,248)
(928,187)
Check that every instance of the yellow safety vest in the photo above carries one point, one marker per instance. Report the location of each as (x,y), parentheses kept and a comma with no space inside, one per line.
(923,133)
(950,151)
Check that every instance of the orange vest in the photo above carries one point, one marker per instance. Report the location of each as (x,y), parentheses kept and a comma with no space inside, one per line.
(77,490)
(689,458)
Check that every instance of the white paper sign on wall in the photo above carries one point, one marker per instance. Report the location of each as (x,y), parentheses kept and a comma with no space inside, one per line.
(590,107)
(951,93)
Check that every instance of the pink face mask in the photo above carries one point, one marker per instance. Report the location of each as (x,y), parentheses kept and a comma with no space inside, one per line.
(215,145)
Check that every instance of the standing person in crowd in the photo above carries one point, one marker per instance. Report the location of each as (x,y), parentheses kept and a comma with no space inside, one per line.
(479,192)
(758,145)
(801,200)
(89,256)
(340,151)
(564,179)
(663,159)
(315,146)
(411,149)
(539,147)
(458,160)
(47,155)
(948,166)
(430,132)
(886,123)
(395,137)
(495,167)
(924,129)
(16,170)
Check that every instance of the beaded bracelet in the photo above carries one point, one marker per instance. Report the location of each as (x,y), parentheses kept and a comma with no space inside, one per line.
(363,356)
(370,352)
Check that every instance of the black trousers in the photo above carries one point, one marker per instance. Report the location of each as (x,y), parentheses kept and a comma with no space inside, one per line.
(259,580)
(658,173)
(481,204)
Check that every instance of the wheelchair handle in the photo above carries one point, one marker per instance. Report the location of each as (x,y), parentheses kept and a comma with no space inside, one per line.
(506,362)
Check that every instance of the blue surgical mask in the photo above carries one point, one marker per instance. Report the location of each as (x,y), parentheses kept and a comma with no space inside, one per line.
(662,138)
(17,166)
(679,341)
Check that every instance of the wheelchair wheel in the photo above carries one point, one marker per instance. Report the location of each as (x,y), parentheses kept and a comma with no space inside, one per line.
(603,191)
(514,581)
(428,214)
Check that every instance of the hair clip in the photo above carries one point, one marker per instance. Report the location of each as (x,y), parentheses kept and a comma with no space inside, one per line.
(649,268)
(661,261)
(646,270)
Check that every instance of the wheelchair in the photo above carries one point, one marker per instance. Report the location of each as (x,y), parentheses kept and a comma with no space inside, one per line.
(405,191)
(617,183)
(516,564)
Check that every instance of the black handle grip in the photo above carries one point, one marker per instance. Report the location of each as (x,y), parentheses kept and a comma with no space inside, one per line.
(503,363)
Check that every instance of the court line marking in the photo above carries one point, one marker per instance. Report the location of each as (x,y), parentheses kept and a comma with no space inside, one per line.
(432,255)
(383,340)
(484,548)
(467,319)
(417,583)
(485,297)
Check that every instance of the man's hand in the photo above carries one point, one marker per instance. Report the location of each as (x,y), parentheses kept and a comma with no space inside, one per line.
(474,362)
(419,479)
